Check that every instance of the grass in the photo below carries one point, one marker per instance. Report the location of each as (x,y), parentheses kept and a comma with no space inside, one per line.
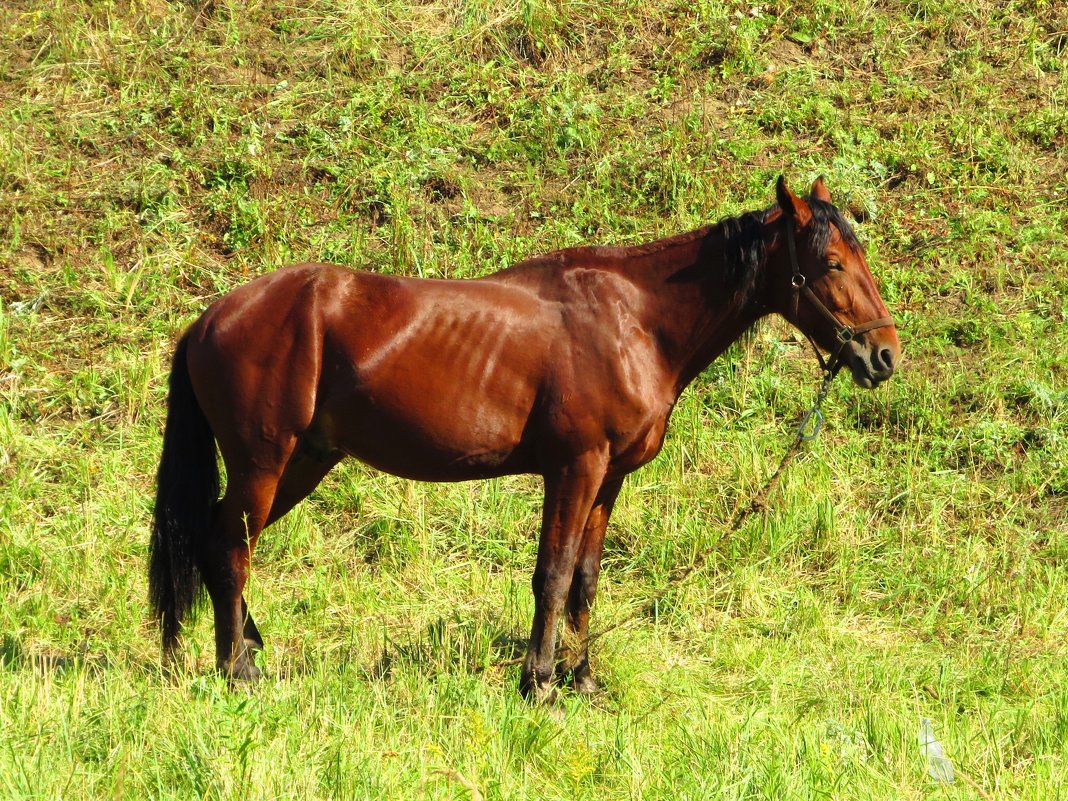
(913,564)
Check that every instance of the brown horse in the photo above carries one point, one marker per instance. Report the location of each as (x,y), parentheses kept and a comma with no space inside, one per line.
(566,365)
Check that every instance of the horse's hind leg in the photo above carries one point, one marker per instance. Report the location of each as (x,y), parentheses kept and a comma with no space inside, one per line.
(224,560)
(302,475)
(252,636)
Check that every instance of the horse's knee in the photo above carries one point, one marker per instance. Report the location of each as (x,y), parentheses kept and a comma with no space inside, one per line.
(550,586)
(584,583)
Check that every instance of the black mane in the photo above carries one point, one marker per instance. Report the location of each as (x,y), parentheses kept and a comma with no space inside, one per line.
(824,215)
(744,247)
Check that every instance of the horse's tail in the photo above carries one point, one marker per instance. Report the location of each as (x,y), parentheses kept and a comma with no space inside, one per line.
(187,489)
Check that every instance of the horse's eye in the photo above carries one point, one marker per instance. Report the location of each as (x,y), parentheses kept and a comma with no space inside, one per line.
(834,265)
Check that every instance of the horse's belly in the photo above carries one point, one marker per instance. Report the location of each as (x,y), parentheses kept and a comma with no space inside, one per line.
(442,386)
(428,441)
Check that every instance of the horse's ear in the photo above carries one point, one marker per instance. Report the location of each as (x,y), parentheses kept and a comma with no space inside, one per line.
(819,190)
(791,205)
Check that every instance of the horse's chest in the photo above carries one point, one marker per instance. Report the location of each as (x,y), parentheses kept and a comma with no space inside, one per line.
(636,418)
(640,443)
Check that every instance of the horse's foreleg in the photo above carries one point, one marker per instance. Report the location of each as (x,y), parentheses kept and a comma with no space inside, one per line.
(584,590)
(569,495)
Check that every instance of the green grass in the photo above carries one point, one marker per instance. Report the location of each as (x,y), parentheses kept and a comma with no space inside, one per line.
(913,564)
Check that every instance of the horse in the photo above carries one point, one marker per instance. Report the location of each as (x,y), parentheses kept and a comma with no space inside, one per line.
(565,365)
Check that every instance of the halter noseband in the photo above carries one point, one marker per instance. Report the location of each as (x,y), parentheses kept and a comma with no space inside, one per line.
(843,332)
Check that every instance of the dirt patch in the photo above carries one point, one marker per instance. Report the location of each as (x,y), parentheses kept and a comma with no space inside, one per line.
(782,52)
(32,256)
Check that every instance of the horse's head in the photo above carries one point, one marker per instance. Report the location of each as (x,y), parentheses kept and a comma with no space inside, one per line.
(821,283)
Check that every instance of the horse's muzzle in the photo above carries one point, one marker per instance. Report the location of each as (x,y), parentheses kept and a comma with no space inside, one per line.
(871,363)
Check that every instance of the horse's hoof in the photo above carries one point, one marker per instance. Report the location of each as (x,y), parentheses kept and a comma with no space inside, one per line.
(241,670)
(544,695)
(540,692)
(250,674)
(585,683)
(579,676)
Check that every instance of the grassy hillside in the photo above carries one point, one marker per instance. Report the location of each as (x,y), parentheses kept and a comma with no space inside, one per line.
(914,563)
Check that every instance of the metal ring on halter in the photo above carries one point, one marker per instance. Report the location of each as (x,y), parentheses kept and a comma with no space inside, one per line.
(797,281)
(817,415)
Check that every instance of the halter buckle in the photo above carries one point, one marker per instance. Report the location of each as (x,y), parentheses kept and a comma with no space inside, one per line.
(844,334)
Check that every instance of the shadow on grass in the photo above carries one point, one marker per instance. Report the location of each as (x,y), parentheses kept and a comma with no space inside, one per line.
(15,656)
(452,644)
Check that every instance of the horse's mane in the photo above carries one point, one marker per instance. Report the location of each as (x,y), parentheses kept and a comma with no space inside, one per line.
(744,247)
(824,215)
(744,250)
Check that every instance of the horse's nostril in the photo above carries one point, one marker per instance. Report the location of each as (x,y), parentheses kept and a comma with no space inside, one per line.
(885,357)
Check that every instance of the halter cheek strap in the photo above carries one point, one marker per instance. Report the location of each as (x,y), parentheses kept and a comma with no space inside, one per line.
(843,332)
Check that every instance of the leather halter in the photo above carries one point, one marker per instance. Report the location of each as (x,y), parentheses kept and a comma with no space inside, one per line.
(843,332)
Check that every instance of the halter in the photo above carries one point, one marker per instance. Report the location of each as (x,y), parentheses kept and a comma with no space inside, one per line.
(843,333)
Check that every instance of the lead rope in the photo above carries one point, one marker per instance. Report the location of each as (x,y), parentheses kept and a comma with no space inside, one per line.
(759,502)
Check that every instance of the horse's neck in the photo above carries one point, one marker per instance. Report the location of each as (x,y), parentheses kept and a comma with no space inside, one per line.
(698,315)
(712,339)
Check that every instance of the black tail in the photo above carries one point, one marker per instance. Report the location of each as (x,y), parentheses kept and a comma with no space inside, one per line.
(187,489)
